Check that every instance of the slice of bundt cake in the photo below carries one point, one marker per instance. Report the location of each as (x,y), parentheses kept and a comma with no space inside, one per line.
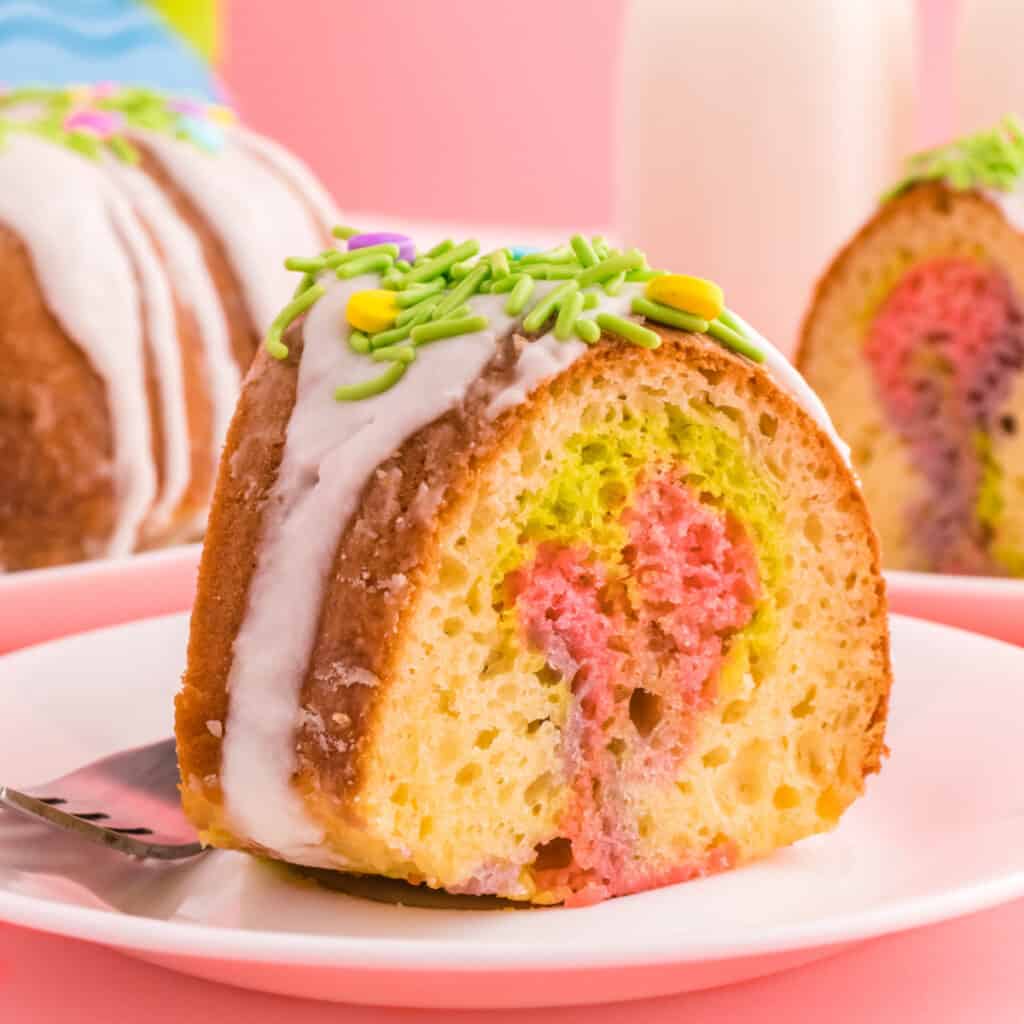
(915,341)
(141,239)
(533,574)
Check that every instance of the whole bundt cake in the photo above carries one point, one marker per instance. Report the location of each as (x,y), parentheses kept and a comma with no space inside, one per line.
(141,240)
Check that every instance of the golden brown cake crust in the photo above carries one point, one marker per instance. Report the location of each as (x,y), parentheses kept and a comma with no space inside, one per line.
(390,541)
(920,198)
(56,492)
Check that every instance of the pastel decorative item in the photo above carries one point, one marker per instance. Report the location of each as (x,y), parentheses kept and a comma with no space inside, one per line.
(687,294)
(138,282)
(915,339)
(577,603)
(406,246)
(372,311)
(808,103)
(128,41)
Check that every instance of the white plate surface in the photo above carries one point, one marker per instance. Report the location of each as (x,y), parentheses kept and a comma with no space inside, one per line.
(940,834)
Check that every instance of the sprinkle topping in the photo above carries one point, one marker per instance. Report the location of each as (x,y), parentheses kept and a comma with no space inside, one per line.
(99,118)
(372,311)
(422,299)
(991,159)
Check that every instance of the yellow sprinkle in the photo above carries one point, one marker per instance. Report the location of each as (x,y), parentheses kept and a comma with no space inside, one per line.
(372,311)
(687,294)
(222,115)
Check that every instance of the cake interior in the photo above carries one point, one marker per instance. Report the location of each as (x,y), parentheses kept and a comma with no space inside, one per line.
(931,394)
(633,656)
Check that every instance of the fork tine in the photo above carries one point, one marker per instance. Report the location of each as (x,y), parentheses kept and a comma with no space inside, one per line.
(124,839)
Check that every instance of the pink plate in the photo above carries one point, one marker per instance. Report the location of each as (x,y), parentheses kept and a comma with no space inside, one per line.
(43,604)
(982,604)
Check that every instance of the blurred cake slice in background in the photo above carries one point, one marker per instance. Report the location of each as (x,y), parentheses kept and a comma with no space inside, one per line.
(915,342)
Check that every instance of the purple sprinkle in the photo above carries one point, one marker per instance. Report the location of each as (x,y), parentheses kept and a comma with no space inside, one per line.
(184,105)
(406,246)
(103,123)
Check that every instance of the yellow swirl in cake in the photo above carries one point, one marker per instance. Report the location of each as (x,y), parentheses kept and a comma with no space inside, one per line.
(555,587)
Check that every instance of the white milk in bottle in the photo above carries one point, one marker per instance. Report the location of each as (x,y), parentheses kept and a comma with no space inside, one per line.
(755,136)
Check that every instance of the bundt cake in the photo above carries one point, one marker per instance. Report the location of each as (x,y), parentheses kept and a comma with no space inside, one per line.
(915,341)
(141,240)
(535,574)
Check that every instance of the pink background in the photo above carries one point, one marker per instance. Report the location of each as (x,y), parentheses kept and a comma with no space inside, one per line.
(526,138)
(523,93)
(474,110)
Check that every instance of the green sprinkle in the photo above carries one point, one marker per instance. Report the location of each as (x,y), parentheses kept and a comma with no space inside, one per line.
(729,319)
(590,300)
(87,145)
(393,354)
(358,342)
(123,149)
(486,288)
(601,248)
(440,264)
(382,339)
(343,231)
(459,311)
(307,281)
(521,293)
(413,296)
(392,280)
(306,265)
(668,315)
(411,312)
(567,314)
(439,249)
(628,329)
(610,267)
(585,255)
(506,284)
(388,248)
(423,334)
(586,330)
(734,340)
(614,284)
(563,254)
(540,313)
(375,386)
(644,275)
(365,265)
(461,270)
(462,291)
(403,265)
(498,261)
(299,304)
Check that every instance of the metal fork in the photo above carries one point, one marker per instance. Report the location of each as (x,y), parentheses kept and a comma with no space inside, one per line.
(128,802)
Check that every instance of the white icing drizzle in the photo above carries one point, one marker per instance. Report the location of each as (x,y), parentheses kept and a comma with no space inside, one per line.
(85,225)
(258,217)
(61,206)
(331,449)
(291,168)
(161,335)
(194,286)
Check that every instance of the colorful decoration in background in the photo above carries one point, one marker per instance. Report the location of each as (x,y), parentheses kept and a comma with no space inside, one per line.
(162,44)
(94,118)
(988,159)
